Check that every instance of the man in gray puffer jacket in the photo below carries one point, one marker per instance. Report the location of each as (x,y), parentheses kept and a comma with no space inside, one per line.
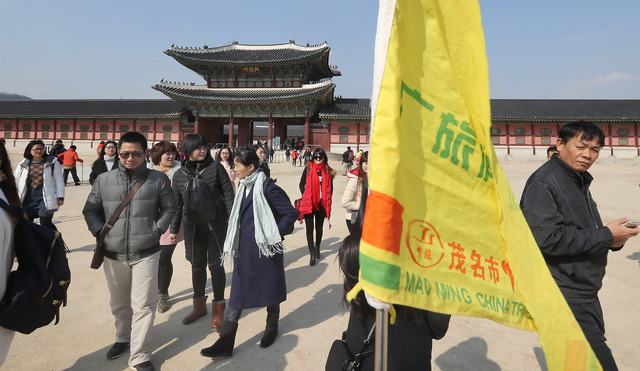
(131,248)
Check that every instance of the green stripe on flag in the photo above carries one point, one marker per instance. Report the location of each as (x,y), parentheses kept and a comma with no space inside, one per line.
(380,273)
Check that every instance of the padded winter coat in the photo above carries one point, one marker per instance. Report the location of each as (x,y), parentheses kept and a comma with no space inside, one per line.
(137,231)
(52,181)
(352,194)
(99,166)
(216,178)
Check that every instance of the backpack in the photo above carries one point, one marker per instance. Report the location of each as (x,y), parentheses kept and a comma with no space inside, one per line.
(347,156)
(276,215)
(37,289)
(197,199)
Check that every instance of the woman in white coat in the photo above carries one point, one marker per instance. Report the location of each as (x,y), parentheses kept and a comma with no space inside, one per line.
(9,194)
(356,184)
(40,184)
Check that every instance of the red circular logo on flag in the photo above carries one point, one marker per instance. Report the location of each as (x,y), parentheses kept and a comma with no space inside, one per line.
(424,244)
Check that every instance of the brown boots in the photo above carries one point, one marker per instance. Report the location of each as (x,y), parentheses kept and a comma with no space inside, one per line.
(199,310)
(217,314)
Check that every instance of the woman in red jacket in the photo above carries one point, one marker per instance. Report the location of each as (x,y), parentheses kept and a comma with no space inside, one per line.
(69,159)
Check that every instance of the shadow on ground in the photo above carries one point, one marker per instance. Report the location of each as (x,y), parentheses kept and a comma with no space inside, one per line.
(470,352)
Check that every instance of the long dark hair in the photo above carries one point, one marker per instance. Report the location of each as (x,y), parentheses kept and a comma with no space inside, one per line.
(219,156)
(27,150)
(320,152)
(8,186)
(348,259)
(103,148)
(361,173)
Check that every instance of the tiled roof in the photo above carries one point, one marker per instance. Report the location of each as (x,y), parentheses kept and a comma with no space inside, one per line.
(565,109)
(239,54)
(347,108)
(86,108)
(201,92)
(355,108)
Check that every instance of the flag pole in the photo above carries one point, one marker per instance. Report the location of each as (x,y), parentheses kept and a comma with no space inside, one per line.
(382,327)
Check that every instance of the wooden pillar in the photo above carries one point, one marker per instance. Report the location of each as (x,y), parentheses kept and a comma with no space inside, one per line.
(307,130)
(533,137)
(635,139)
(508,138)
(196,125)
(610,128)
(251,125)
(231,131)
(357,136)
(242,133)
(155,130)
(283,133)
(270,132)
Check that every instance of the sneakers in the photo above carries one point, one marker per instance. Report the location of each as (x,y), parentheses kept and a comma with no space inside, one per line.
(144,366)
(117,350)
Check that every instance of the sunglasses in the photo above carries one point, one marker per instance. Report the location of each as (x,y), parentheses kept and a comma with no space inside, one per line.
(126,155)
(318,158)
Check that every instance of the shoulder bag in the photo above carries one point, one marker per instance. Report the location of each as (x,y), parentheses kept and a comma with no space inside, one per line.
(340,357)
(98,255)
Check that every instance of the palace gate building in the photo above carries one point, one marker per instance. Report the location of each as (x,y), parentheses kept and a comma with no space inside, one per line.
(287,91)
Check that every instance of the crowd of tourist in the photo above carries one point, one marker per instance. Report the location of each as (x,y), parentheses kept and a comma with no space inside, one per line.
(230,212)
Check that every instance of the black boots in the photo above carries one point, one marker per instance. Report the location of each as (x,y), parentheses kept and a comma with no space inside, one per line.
(314,254)
(270,332)
(224,346)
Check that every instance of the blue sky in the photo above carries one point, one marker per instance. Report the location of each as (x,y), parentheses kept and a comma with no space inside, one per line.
(114,49)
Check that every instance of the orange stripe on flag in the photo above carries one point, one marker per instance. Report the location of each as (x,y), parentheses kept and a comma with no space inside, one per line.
(383,229)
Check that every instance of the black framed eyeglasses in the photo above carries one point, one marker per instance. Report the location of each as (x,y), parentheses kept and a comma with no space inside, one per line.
(126,155)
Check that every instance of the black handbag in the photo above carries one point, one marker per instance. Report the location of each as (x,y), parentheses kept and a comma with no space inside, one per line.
(340,357)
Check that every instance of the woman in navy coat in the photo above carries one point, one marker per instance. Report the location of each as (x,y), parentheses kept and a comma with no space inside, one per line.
(262,213)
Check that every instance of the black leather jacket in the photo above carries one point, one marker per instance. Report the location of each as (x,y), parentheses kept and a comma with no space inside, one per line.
(565,222)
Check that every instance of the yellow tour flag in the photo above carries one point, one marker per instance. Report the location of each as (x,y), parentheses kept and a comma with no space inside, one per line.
(443,230)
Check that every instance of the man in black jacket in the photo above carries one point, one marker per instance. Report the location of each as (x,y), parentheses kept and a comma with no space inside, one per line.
(57,149)
(565,222)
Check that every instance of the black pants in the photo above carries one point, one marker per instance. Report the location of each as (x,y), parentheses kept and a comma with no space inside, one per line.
(165,268)
(204,247)
(591,320)
(350,227)
(74,174)
(45,221)
(233,315)
(318,223)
